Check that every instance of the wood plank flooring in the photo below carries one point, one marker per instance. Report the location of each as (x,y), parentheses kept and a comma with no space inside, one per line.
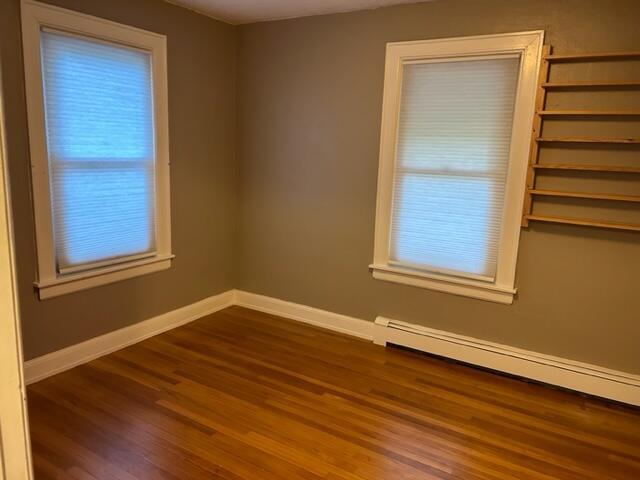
(245,395)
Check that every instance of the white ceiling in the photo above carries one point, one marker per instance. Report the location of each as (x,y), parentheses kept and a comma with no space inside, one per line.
(248,11)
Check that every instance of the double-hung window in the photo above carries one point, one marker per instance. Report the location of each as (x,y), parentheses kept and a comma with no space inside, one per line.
(456,129)
(97,104)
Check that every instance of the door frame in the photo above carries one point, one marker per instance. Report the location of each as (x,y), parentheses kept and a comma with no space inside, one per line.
(15,448)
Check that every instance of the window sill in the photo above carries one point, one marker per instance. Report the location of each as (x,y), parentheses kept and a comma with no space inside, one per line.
(443,283)
(103,276)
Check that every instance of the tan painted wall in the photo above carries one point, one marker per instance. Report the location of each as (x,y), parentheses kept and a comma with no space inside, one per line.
(310,103)
(310,98)
(201,54)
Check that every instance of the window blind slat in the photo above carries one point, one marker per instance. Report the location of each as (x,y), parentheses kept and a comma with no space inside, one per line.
(452,159)
(100,139)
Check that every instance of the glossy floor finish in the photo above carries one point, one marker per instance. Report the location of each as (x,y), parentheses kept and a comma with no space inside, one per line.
(245,395)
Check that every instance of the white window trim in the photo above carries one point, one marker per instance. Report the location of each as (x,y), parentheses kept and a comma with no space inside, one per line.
(529,46)
(36,15)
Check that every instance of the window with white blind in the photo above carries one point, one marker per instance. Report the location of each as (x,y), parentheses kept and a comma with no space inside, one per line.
(96,94)
(454,145)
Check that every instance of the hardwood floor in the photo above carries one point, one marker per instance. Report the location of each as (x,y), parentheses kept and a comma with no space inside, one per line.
(245,395)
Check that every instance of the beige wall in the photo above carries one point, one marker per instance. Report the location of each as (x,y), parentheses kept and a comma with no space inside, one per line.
(293,217)
(201,55)
(309,119)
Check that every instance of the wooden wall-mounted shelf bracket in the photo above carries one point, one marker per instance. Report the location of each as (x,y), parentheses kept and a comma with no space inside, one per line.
(538,140)
(534,149)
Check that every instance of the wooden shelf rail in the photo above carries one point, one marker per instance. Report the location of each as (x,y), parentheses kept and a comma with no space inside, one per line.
(576,113)
(587,195)
(627,141)
(585,222)
(587,57)
(586,167)
(560,85)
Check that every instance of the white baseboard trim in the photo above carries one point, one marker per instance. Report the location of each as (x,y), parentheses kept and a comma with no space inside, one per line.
(61,360)
(302,313)
(581,377)
(578,376)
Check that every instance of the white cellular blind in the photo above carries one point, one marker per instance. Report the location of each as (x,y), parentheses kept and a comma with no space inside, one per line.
(452,158)
(100,138)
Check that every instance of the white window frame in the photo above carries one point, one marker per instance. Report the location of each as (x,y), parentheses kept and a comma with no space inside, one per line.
(35,16)
(529,46)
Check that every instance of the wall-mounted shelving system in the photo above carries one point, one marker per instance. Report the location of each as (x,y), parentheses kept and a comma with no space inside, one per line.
(538,139)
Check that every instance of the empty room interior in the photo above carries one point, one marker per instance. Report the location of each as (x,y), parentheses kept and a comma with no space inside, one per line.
(320,239)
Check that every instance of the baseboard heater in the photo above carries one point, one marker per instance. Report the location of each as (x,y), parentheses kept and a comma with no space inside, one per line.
(581,377)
